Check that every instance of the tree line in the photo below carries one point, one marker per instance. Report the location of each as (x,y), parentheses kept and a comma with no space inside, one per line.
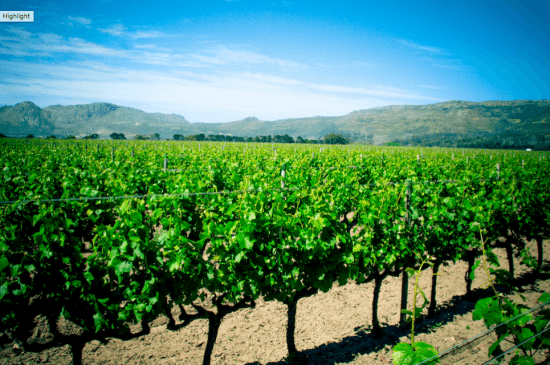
(328,139)
(331,138)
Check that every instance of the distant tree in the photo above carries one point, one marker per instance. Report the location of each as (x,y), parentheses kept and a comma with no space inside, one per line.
(250,139)
(140,137)
(2,136)
(334,139)
(178,137)
(300,140)
(155,136)
(51,137)
(92,136)
(70,137)
(29,136)
(117,136)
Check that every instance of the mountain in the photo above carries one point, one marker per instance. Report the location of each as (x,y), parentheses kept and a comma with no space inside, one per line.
(24,118)
(408,124)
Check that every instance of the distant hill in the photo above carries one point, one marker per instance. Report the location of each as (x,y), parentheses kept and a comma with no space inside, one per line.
(409,124)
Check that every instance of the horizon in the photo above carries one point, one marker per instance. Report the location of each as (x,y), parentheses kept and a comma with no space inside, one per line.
(224,61)
(310,116)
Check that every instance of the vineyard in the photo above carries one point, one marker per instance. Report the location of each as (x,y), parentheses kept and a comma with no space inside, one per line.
(112,235)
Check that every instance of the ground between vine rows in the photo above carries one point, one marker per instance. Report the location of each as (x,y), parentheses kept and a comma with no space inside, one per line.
(331,328)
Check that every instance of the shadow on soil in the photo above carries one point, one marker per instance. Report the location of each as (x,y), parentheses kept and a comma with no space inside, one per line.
(365,343)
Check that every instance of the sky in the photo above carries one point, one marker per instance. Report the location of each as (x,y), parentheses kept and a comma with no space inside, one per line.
(216,61)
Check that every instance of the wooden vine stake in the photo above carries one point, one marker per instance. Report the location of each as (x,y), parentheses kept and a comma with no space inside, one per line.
(498,171)
(405,277)
(112,153)
(165,163)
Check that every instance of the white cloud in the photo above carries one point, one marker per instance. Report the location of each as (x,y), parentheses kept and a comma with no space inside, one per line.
(120,30)
(197,82)
(234,95)
(222,55)
(152,34)
(420,47)
(116,29)
(431,87)
(80,20)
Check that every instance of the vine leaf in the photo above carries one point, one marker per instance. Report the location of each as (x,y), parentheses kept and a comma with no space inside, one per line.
(406,354)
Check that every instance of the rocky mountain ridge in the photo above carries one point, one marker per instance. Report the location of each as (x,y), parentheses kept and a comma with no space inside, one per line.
(375,125)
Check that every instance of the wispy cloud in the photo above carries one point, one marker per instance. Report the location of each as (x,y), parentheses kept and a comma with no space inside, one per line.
(121,30)
(431,87)
(153,47)
(235,95)
(360,63)
(23,43)
(222,55)
(152,34)
(429,49)
(79,20)
(115,29)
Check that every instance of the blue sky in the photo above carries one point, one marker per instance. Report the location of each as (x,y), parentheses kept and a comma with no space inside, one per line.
(219,61)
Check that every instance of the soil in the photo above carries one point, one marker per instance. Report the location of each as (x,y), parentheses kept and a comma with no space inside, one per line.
(331,328)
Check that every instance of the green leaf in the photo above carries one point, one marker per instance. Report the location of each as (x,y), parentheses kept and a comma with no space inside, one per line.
(403,354)
(524,335)
(481,308)
(495,349)
(472,273)
(4,263)
(545,297)
(522,360)
(3,290)
(121,266)
(424,351)
(239,257)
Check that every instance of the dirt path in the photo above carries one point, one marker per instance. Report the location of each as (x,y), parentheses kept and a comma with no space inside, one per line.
(331,328)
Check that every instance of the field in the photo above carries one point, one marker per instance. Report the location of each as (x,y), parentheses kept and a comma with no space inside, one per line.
(272,250)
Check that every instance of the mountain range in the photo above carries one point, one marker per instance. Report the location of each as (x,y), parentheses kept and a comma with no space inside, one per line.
(450,119)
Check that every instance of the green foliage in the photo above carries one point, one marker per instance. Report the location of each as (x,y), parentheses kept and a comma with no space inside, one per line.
(496,310)
(406,354)
(144,255)
(394,144)
(417,351)
(29,136)
(117,136)
(334,139)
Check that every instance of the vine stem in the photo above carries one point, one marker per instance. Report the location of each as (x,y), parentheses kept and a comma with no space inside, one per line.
(491,281)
